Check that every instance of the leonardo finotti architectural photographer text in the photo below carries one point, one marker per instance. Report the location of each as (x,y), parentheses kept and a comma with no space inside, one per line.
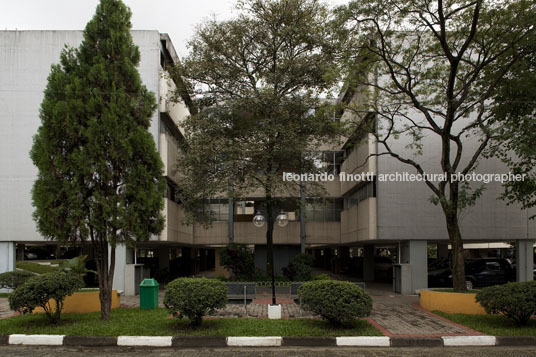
(404,177)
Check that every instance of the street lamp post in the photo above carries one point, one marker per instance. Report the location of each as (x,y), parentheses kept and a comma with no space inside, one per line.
(281,218)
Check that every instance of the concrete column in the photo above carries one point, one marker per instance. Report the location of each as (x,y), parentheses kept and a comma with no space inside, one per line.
(368,263)
(442,251)
(524,260)
(415,253)
(7,259)
(163,257)
(123,256)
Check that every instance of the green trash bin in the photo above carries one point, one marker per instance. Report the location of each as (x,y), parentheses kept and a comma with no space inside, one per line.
(149,294)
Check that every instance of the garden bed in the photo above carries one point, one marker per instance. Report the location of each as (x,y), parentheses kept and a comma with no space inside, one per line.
(136,322)
(84,302)
(494,325)
(450,302)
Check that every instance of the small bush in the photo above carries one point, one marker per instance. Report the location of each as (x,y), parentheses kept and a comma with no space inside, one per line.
(339,302)
(14,279)
(516,301)
(321,277)
(195,297)
(300,268)
(38,291)
(76,265)
(238,259)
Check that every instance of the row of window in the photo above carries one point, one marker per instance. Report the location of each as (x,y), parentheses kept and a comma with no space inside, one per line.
(362,193)
(316,209)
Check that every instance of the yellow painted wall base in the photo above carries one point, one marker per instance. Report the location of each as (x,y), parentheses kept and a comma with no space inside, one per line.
(83,302)
(452,303)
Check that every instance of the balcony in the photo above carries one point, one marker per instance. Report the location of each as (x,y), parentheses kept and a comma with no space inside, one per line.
(170,104)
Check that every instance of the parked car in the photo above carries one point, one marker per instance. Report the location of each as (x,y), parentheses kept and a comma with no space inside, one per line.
(478,273)
(439,274)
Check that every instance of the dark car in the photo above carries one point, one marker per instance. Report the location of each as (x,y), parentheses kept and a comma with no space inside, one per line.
(439,274)
(478,273)
(486,272)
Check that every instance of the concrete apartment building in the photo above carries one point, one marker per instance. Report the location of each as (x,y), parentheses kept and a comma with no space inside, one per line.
(354,219)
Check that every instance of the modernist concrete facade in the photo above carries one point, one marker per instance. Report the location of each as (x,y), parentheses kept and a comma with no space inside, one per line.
(355,215)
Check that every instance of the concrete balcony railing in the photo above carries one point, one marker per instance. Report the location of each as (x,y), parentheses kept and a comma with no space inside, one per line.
(169,102)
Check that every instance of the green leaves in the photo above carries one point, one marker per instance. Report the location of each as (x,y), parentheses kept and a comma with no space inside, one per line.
(47,291)
(516,301)
(340,302)
(258,79)
(238,259)
(76,265)
(99,172)
(195,297)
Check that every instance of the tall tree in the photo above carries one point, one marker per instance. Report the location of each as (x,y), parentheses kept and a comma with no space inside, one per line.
(100,176)
(258,80)
(431,68)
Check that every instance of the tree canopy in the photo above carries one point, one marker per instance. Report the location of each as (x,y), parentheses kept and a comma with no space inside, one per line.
(258,81)
(515,135)
(430,70)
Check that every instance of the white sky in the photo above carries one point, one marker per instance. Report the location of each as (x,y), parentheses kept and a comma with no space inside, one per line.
(175,17)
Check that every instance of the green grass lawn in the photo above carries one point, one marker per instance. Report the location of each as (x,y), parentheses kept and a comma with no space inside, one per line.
(135,322)
(495,325)
(4,295)
(35,268)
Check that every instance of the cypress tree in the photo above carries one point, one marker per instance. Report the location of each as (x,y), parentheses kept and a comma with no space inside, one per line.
(99,174)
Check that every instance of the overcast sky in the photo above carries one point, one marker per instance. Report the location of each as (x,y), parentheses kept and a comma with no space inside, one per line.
(175,17)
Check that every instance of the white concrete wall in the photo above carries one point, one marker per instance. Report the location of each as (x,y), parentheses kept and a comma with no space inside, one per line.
(25,60)
(7,259)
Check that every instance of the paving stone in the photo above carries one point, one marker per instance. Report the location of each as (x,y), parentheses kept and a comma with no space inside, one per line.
(399,317)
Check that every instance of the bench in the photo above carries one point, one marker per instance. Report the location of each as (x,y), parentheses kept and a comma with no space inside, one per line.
(241,291)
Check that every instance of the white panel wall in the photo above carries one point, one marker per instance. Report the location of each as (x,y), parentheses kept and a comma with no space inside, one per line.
(25,60)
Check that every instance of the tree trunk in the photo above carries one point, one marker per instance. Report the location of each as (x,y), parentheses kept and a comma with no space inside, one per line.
(457,257)
(106,276)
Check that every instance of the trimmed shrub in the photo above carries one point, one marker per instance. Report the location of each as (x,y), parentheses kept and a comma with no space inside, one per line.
(14,279)
(238,259)
(47,291)
(339,302)
(516,301)
(300,268)
(194,297)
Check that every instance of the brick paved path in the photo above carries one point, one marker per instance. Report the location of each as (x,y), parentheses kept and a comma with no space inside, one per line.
(260,309)
(400,316)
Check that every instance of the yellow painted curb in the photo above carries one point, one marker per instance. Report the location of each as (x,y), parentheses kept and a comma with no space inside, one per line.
(83,302)
(452,303)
